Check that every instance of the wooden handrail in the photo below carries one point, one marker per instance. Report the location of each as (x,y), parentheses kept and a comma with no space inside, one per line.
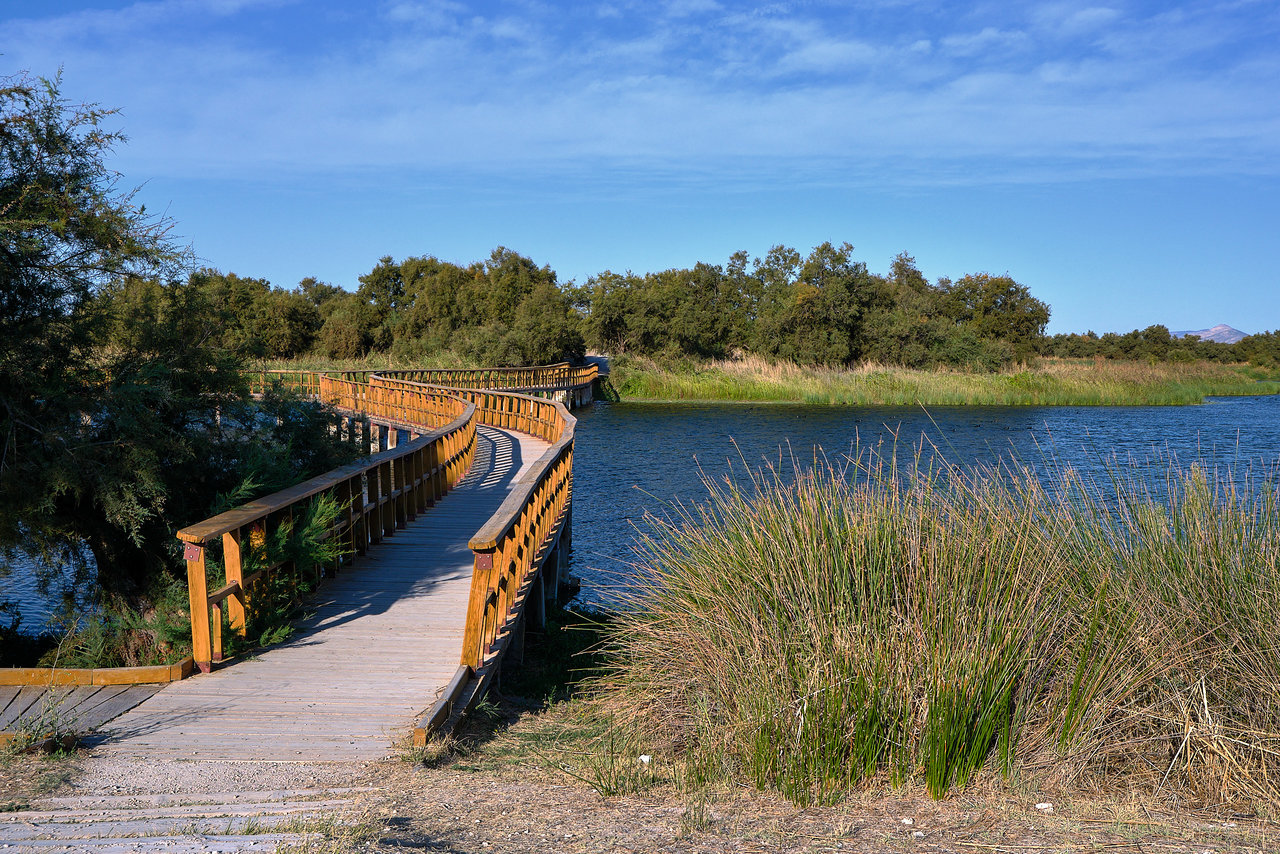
(512,545)
(376,494)
(561,376)
(382,491)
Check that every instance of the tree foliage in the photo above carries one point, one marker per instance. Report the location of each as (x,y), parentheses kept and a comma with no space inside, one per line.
(123,410)
(826,308)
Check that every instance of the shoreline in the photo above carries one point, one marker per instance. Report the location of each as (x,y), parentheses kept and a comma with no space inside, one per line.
(1049,382)
(695,401)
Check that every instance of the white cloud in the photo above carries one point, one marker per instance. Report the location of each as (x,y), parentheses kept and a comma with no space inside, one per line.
(1088,20)
(685,8)
(432,14)
(827,56)
(430,85)
(988,39)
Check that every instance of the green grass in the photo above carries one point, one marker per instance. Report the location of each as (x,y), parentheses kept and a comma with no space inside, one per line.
(372,362)
(819,632)
(1051,382)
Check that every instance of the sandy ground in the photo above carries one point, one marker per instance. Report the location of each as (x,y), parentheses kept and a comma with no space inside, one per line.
(525,787)
(522,786)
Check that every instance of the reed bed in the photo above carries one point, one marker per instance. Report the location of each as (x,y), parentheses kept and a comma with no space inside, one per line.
(1050,382)
(870,624)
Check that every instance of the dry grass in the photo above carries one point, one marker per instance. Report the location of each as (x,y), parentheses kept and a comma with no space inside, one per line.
(503,794)
(24,778)
(1048,382)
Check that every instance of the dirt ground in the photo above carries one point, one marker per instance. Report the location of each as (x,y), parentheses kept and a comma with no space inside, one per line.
(536,782)
(531,787)
(526,810)
(26,778)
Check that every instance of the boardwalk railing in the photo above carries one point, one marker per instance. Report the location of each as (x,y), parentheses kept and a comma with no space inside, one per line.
(383,491)
(562,376)
(375,495)
(515,543)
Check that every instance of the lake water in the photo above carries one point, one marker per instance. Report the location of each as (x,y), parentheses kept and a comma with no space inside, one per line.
(632,459)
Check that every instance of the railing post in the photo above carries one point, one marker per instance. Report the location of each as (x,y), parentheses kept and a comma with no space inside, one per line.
(387,488)
(374,517)
(198,595)
(360,526)
(473,631)
(401,486)
(435,475)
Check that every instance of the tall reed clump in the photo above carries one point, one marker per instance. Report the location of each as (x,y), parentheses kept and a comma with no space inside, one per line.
(872,622)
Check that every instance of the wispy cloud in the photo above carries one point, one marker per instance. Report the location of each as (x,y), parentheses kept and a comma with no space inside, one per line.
(251,88)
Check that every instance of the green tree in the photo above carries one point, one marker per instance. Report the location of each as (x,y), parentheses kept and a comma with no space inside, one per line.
(545,329)
(997,308)
(79,457)
(122,411)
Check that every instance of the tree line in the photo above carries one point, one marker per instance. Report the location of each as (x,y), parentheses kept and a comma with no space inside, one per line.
(1158,344)
(826,308)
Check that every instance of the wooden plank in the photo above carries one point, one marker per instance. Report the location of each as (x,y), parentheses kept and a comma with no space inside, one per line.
(159,673)
(130,697)
(8,694)
(45,676)
(58,704)
(27,697)
(103,694)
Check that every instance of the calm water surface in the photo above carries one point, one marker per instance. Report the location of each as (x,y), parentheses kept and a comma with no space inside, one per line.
(633,459)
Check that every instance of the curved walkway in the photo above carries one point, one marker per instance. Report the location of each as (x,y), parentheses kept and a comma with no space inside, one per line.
(384,639)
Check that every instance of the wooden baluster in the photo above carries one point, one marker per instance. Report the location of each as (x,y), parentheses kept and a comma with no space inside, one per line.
(435,471)
(359,527)
(402,483)
(342,494)
(474,630)
(424,479)
(413,484)
(215,632)
(387,485)
(499,591)
(231,561)
(511,558)
(375,505)
(198,596)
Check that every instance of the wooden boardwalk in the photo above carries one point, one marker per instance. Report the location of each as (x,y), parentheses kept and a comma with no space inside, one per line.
(385,637)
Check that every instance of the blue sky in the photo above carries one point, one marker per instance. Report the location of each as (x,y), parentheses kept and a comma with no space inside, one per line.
(1120,159)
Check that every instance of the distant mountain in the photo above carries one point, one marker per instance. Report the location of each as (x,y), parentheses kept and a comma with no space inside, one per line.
(1221,333)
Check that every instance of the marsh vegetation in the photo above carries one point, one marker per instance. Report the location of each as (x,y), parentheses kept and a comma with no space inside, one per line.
(873,623)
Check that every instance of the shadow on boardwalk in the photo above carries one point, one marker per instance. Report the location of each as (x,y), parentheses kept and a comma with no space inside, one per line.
(384,636)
